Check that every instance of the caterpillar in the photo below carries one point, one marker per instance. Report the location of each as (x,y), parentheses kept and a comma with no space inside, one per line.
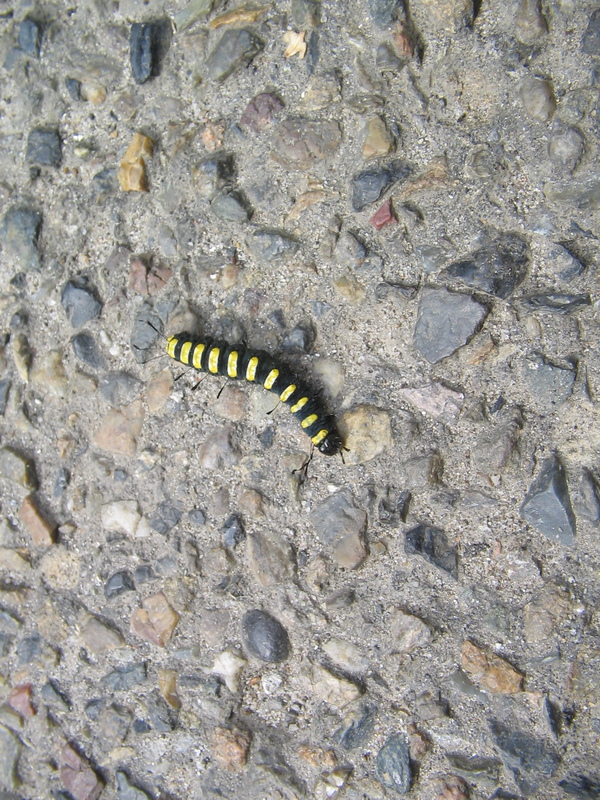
(257,366)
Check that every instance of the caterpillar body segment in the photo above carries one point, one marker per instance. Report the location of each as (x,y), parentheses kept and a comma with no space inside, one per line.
(255,366)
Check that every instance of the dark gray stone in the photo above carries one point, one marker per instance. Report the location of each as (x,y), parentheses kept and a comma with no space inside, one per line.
(230,208)
(445,322)
(54,696)
(475,768)
(581,786)
(590,43)
(30,36)
(144,573)
(560,303)
(20,231)
(197,516)
(265,637)
(392,511)
(145,332)
(73,88)
(148,43)
(119,388)
(214,174)
(5,385)
(235,48)
(267,244)
(166,516)
(80,302)
(306,14)
(498,267)
(547,505)
(548,383)
(127,790)
(44,147)
(385,12)
(393,764)
(532,760)
(124,678)
(432,543)
(118,583)
(370,184)
(30,649)
(85,348)
(233,531)
(105,183)
(357,727)
(162,716)
(300,339)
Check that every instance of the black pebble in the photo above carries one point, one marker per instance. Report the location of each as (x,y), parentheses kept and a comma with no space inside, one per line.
(371,183)
(118,583)
(265,637)
(86,350)
(233,531)
(147,43)
(432,543)
(79,301)
(44,147)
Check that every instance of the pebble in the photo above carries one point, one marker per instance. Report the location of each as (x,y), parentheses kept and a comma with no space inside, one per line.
(125,677)
(5,385)
(85,348)
(446,322)
(367,432)
(449,787)
(267,244)
(432,543)
(144,45)
(547,505)
(346,655)
(498,267)
(191,12)
(119,430)
(42,531)
(234,532)
(44,147)
(61,568)
(260,111)
(299,142)
(436,400)
(581,786)
(548,384)
(132,171)
(538,98)
(383,216)
(476,769)
(13,561)
(590,44)
(265,637)
(118,583)
(99,637)
(388,61)
(393,764)
(271,560)
(559,303)
(230,747)
(385,12)
(335,690)
(79,300)
(119,388)
(158,390)
(10,752)
(532,760)
(124,516)
(530,23)
(230,207)
(214,174)
(49,374)
(78,777)
(490,672)
(73,87)
(20,231)
(127,790)
(322,91)
(165,517)
(378,140)
(236,48)
(357,727)
(156,621)
(300,339)
(496,444)
(146,280)
(17,468)
(407,632)
(229,665)
(369,185)
(30,36)
(306,13)
(162,716)
(566,148)
(341,526)
(22,355)
(20,699)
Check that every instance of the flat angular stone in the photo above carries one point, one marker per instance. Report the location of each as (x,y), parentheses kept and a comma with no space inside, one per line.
(17,468)
(42,531)
(549,384)
(230,747)
(371,183)
(559,303)
(237,47)
(268,244)
(300,142)
(367,432)
(260,111)
(147,43)
(341,526)
(590,43)
(44,147)
(156,621)
(30,36)
(79,301)
(532,759)
(432,543)
(78,777)
(230,208)
(265,637)
(489,671)
(393,764)
(538,98)
(445,322)
(85,348)
(547,505)
(498,267)
(20,231)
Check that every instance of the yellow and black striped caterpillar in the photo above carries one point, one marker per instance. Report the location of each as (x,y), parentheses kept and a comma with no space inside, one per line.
(256,366)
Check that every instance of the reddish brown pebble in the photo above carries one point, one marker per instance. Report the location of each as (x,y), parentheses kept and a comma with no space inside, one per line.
(78,777)
(489,671)
(156,621)
(42,531)
(450,787)
(230,748)
(260,111)
(20,700)
(384,216)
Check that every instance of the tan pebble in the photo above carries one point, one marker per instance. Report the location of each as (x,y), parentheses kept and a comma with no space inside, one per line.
(61,568)
(132,172)
(156,621)
(212,136)
(217,451)
(334,690)
(229,276)
(49,374)
(158,390)
(251,503)
(378,141)
(230,747)
(271,560)
(167,684)
(22,355)
(350,551)
(42,531)
(350,289)
(17,468)
(158,277)
(239,16)
(407,632)
(419,744)
(489,671)
(93,93)
(13,561)
(231,403)
(367,432)
(99,637)
(119,430)
(346,655)
(448,15)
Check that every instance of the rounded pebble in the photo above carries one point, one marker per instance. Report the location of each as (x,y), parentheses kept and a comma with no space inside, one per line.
(265,637)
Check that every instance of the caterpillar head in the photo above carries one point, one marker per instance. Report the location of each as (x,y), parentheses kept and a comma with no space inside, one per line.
(332,444)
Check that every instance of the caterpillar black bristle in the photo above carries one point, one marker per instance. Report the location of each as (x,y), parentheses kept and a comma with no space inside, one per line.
(242,363)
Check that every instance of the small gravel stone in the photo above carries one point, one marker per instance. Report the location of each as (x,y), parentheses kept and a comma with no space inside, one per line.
(260,111)
(230,747)
(525,753)
(549,384)
(341,526)
(378,140)
(437,400)
(268,244)
(446,322)
(559,303)
(42,531)
(86,350)
(166,516)
(590,43)
(156,621)
(21,700)
(306,13)
(119,430)
(530,24)
(80,302)
(357,727)
(213,174)
(123,515)
(299,142)
(387,60)
(78,777)
(566,148)
(366,431)
(132,170)
(230,208)
(581,786)
(49,374)
(228,665)
(30,36)
(127,790)
(217,451)
(162,716)
(498,267)
(393,764)
(335,690)
(44,147)
(538,98)
(16,467)
(300,339)
(490,672)
(147,42)
(99,637)
(124,678)
(119,388)
(449,787)
(265,637)
(432,543)
(271,560)
(385,12)
(5,385)
(369,185)
(20,231)
(119,583)
(10,751)
(383,216)
(234,532)
(237,47)
(73,88)
(346,655)
(407,632)
(547,505)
